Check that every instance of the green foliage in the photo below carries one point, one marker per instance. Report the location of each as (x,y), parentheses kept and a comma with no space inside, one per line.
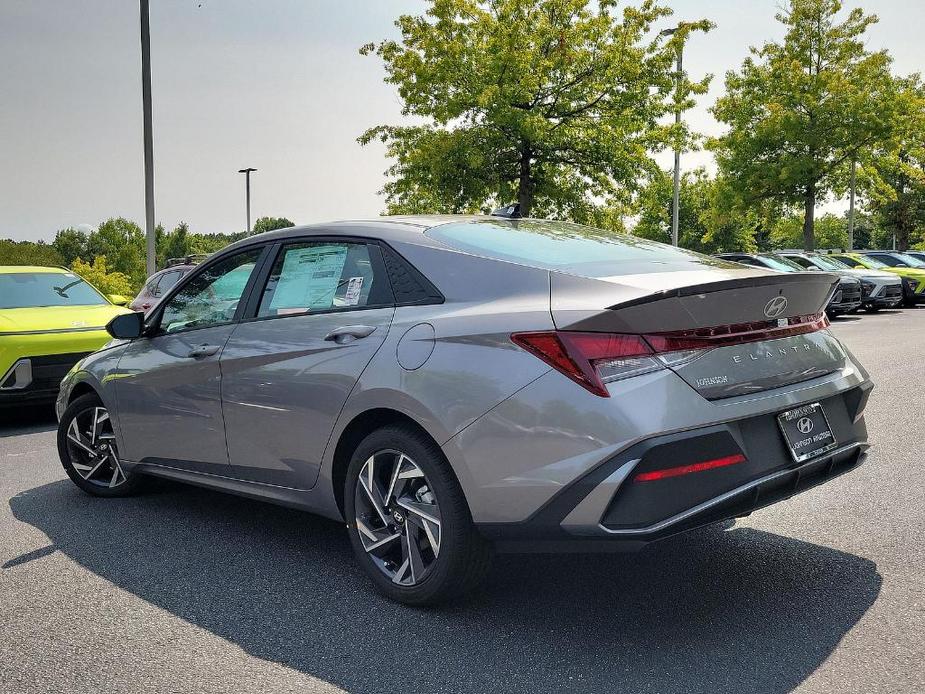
(707,219)
(122,242)
(99,276)
(893,174)
(557,104)
(800,111)
(831,232)
(71,244)
(270,223)
(29,253)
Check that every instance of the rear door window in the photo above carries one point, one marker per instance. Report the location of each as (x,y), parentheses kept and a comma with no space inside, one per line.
(321,276)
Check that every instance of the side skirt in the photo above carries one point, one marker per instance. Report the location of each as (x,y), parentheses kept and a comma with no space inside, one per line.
(301,499)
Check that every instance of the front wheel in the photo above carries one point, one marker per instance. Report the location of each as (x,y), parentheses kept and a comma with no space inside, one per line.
(88,451)
(409,523)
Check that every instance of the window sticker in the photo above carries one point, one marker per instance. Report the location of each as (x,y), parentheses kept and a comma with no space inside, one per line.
(309,278)
(354,286)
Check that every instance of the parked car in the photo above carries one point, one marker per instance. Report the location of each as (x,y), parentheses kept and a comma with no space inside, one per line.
(158,284)
(444,384)
(913,278)
(49,319)
(878,289)
(845,298)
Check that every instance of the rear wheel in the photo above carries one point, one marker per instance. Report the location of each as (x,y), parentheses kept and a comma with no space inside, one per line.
(408,519)
(88,451)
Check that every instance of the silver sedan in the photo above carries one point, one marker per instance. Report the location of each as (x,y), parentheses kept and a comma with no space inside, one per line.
(449,386)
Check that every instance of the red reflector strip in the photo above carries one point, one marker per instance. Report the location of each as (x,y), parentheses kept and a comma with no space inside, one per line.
(687,469)
(741,333)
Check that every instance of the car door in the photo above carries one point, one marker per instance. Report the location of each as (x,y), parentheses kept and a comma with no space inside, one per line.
(321,314)
(169,383)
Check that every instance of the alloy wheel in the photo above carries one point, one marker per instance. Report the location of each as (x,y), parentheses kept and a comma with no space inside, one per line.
(397,517)
(92,448)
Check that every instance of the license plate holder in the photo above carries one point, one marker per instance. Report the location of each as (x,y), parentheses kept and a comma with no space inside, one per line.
(806,431)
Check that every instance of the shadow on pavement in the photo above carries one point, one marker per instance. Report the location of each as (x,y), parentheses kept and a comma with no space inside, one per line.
(713,611)
(32,419)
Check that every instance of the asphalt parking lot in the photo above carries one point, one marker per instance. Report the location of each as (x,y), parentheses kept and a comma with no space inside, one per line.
(183,590)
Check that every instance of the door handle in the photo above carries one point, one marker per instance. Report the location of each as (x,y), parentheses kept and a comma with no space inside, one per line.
(203,351)
(348,333)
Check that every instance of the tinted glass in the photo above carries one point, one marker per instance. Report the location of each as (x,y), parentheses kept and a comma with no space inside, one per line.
(909,260)
(211,297)
(31,289)
(567,247)
(168,279)
(312,277)
(887,259)
(778,262)
(827,263)
(801,261)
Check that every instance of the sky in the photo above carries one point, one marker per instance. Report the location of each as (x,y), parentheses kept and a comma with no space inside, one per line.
(278,85)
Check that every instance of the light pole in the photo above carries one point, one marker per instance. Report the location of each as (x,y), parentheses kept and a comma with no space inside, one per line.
(675,206)
(854,183)
(247,188)
(151,251)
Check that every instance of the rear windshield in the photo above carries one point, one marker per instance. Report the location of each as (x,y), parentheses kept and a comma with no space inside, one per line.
(33,289)
(567,247)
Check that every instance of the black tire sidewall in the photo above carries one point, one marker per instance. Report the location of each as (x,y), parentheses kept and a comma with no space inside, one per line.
(457,534)
(84,402)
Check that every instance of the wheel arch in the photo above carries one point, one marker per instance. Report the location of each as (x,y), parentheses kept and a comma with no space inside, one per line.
(81,389)
(359,428)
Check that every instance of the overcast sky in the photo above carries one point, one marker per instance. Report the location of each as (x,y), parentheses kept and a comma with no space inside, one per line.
(273,84)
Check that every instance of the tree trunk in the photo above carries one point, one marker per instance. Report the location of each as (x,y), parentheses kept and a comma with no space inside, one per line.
(809,218)
(525,185)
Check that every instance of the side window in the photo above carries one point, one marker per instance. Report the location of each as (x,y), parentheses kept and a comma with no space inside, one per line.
(168,279)
(322,276)
(212,296)
(799,260)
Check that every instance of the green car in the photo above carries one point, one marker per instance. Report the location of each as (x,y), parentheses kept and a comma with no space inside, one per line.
(49,319)
(913,277)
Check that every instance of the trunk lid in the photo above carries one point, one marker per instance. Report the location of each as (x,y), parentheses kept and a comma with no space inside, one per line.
(711,305)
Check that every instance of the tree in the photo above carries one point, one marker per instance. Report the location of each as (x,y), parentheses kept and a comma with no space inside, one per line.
(175,244)
(557,104)
(800,111)
(71,244)
(831,232)
(270,223)
(123,243)
(893,175)
(29,253)
(707,221)
(99,276)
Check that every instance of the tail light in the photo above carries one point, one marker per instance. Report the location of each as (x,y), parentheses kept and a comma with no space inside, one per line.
(594,359)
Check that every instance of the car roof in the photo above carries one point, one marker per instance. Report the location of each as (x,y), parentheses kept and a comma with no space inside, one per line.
(395,227)
(22,269)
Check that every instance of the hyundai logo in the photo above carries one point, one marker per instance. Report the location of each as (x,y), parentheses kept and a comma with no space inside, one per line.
(805,425)
(775,306)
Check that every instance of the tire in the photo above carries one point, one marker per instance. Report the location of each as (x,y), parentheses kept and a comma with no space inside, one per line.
(462,557)
(91,459)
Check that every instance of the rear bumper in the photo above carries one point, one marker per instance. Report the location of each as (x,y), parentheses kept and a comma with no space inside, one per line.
(608,510)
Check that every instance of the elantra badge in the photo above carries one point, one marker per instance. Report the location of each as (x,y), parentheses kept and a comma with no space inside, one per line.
(775,306)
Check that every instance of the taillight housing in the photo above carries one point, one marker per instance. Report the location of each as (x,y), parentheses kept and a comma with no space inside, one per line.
(594,359)
(591,359)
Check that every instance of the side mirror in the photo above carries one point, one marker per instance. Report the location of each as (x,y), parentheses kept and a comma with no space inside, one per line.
(127,326)
(118,299)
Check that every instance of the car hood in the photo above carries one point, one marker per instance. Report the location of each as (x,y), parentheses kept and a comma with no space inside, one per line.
(910,272)
(57,318)
(871,274)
